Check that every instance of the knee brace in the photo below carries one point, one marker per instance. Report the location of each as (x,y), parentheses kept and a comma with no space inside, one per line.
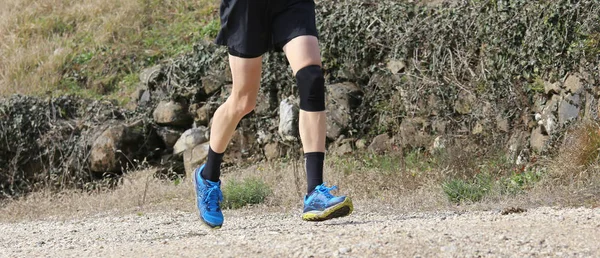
(311,86)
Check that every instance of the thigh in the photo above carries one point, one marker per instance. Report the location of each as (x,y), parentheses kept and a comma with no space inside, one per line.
(246,74)
(303,51)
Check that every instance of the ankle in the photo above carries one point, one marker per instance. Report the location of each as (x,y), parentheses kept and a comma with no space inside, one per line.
(314,169)
(212,169)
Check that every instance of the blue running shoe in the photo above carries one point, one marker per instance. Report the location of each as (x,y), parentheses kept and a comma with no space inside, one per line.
(321,205)
(208,199)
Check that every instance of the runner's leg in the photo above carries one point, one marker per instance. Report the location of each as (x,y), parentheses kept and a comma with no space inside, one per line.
(303,52)
(246,81)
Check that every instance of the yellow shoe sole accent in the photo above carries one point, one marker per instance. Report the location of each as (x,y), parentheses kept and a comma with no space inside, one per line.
(210,226)
(340,210)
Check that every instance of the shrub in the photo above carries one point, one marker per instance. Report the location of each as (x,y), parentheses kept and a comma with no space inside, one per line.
(579,154)
(238,194)
(459,190)
(46,143)
(482,185)
(518,182)
(499,52)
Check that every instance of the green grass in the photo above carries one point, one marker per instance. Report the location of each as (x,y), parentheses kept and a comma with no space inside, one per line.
(211,29)
(388,164)
(492,176)
(420,161)
(461,181)
(97,49)
(519,182)
(460,190)
(90,67)
(237,194)
(482,185)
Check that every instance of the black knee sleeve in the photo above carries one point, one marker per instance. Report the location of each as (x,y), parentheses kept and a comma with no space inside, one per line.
(311,85)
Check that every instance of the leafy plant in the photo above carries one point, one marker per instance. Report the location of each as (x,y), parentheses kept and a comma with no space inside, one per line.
(518,182)
(459,190)
(237,194)
(474,190)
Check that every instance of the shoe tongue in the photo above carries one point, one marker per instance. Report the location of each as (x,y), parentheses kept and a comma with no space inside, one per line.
(213,197)
(326,191)
(211,183)
(323,189)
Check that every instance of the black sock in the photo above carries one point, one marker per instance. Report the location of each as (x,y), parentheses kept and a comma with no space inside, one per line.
(314,169)
(212,170)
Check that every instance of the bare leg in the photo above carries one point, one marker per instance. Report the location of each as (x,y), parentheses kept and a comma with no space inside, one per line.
(246,82)
(301,52)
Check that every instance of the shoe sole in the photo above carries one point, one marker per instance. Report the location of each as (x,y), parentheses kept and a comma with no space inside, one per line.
(199,213)
(210,226)
(342,209)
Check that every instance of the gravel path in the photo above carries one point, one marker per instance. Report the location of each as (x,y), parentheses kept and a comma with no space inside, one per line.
(367,233)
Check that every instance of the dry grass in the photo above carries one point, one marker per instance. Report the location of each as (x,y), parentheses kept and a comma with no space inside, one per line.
(415,188)
(286,180)
(542,195)
(576,169)
(139,190)
(578,159)
(91,46)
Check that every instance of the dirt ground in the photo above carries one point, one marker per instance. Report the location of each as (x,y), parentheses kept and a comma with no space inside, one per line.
(371,231)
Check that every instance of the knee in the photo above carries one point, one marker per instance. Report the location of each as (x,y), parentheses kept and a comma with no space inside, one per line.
(311,86)
(241,103)
(246,106)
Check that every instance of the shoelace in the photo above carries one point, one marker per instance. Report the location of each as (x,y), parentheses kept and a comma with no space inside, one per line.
(326,190)
(212,197)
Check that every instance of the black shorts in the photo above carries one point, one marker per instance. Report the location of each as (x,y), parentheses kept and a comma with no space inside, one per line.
(250,28)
